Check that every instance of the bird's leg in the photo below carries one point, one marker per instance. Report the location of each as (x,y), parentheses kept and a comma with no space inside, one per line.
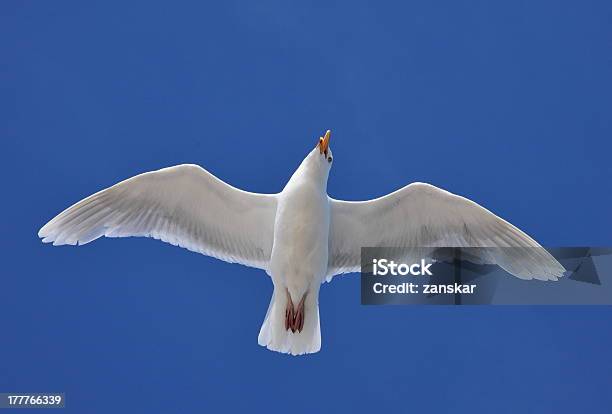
(289,313)
(298,320)
(294,319)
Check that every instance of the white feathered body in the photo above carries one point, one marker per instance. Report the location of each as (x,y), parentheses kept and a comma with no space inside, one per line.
(298,263)
(301,233)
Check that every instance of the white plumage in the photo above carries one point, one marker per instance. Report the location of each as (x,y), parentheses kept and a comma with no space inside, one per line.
(299,236)
(183,205)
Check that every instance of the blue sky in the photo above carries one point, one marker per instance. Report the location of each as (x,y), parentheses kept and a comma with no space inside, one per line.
(508,103)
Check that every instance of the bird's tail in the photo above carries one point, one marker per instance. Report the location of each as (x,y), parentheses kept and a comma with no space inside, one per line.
(275,337)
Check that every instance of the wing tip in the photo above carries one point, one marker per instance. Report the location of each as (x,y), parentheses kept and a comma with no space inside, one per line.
(553,274)
(43,232)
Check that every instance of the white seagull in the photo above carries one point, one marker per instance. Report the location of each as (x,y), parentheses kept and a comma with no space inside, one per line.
(300,236)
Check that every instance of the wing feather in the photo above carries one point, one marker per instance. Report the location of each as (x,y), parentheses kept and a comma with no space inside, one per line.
(424,217)
(183,205)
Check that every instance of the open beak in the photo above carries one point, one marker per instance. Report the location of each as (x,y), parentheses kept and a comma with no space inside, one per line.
(324,142)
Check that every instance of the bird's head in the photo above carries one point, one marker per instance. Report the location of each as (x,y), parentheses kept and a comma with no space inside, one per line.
(317,163)
(323,149)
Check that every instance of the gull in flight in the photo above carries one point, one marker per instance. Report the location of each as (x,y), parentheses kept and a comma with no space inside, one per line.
(300,236)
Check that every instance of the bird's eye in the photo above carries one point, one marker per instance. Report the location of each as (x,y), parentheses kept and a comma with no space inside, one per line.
(329,159)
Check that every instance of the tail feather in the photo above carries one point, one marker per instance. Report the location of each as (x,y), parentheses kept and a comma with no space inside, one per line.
(275,337)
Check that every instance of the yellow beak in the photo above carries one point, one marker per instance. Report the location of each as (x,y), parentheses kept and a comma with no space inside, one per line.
(324,142)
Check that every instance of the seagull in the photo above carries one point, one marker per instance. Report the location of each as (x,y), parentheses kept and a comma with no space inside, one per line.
(300,237)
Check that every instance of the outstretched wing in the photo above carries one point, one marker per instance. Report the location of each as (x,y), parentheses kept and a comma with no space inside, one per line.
(426,217)
(183,205)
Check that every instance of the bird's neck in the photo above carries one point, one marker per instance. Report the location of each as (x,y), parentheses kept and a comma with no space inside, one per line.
(312,171)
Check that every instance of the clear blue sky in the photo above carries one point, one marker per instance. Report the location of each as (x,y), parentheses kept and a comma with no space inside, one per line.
(508,103)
